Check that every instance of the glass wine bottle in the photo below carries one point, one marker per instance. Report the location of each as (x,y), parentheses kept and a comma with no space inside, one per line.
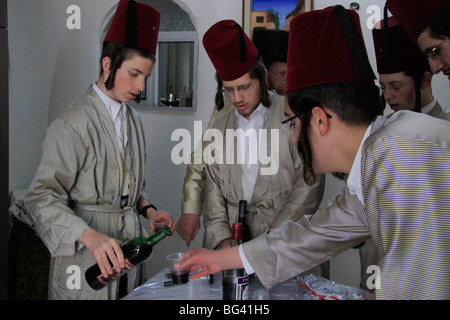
(135,252)
(242,219)
(235,281)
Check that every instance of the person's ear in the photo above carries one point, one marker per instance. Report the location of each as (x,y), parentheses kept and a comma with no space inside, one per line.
(426,80)
(319,120)
(106,66)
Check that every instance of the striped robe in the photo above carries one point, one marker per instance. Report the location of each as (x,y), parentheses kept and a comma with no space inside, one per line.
(368,252)
(405,172)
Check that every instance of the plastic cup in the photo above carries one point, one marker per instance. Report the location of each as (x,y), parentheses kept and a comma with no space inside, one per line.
(179,276)
(158,223)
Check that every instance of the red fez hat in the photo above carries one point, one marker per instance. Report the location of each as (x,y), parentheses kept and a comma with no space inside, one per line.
(319,52)
(402,53)
(413,15)
(135,25)
(230,50)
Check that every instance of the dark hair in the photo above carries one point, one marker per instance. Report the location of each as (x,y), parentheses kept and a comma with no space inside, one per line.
(258,71)
(417,73)
(439,24)
(354,103)
(118,53)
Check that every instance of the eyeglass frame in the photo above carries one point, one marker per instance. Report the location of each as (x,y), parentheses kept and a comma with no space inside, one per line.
(433,52)
(243,90)
(299,116)
(391,87)
(278,74)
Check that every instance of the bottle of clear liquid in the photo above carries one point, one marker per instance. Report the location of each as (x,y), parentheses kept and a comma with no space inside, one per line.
(135,252)
(235,281)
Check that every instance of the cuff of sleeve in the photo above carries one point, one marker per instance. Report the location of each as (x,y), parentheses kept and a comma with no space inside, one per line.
(191,207)
(248,268)
(63,242)
(79,245)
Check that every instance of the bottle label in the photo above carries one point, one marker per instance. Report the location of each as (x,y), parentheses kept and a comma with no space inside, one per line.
(241,288)
(104,281)
(235,288)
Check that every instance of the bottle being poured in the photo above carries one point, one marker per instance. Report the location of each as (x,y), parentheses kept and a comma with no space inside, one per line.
(135,252)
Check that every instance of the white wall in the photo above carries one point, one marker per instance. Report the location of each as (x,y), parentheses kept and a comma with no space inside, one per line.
(52,65)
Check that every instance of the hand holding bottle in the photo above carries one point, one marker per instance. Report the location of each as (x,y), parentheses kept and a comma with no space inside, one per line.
(103,247)
(225,243)
(134,251)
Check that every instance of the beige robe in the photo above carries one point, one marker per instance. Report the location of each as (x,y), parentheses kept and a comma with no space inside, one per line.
(276,198)
(195,179)
(79,184)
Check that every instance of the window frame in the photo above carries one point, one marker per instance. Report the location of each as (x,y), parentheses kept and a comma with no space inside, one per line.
(151,102)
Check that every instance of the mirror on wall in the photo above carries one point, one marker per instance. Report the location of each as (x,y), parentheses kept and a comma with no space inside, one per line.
(175,73)
(173,83)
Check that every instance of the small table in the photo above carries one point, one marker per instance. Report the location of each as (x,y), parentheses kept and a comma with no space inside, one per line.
(160,287)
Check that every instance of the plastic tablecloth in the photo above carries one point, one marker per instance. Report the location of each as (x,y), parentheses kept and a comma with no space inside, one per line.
(160,287)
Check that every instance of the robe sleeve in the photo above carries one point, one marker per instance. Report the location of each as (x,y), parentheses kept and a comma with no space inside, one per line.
(215,215)
(48,195)
(296,247)
(195,179)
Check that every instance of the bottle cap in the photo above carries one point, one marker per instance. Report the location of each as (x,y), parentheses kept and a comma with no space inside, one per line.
(237,232)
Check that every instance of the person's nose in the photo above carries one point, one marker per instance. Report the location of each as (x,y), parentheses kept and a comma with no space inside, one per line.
(237,95)
(388,94)
(436,65)
(140,85)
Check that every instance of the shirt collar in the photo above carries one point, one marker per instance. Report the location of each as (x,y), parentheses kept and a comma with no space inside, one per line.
(111,105)
(427,109)
(354,178)
(260,111)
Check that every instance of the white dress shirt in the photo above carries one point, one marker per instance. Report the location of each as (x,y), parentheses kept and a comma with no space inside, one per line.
(249,142)
(354,178)
(118,112)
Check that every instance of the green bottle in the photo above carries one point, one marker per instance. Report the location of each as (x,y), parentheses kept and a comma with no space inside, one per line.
(135,252)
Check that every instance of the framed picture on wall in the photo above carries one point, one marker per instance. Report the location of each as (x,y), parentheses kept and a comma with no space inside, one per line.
(272,14)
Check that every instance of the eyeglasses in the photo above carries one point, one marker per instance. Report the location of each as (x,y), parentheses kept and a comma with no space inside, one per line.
(289,119)
(244,90)
(277,74)
(394,88)
(300,116)
(434,52)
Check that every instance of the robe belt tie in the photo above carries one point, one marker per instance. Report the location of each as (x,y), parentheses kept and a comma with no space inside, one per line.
(129,224)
